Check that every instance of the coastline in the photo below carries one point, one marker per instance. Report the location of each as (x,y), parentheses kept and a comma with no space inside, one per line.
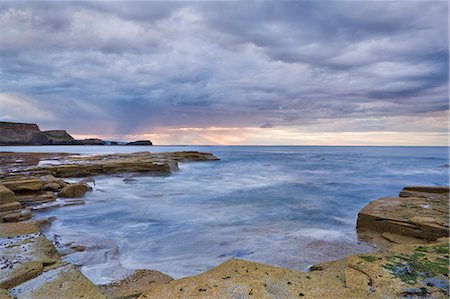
(347,276)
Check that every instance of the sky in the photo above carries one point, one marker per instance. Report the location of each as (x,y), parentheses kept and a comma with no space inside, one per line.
(229,73)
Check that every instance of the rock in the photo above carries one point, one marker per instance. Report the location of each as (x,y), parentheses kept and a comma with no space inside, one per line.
(36,198)
(11,206)
(52,187)
(89,141)
(78,248)
(6,195)
(58,137)
(377,275)
(30,134)
(21,273)
(74,190)
(58,203)
(135,284)
(24,257)
(425,191)
(444,190)
(17,215)
(8,230)
(190,156)
(4,294)
(65,282)
(23,185)
(21,134)
(140,142)
(417,217)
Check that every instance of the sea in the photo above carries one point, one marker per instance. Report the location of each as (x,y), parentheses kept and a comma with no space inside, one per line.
(287,206)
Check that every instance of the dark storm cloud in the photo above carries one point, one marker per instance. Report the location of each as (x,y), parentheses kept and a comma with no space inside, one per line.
(124,67)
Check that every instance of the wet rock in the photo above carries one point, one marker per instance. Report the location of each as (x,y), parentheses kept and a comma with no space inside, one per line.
(36,198)
(65,282)
(74,190)
(424,217)
(53,186)
(60,202)
(15,216)
(135,284)
(190,156)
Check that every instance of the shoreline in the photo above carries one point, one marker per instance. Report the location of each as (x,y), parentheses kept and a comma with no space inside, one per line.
(210,283)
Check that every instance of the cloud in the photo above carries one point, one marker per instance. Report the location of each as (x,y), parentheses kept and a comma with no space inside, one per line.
(123,68)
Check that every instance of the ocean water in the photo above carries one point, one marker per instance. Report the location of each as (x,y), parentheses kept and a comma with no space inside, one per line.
(284,206)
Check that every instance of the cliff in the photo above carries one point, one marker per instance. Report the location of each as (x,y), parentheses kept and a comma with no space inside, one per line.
(21,134)
(30,134)
(58,137)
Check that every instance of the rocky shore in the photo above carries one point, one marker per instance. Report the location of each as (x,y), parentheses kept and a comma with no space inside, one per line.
(411,232)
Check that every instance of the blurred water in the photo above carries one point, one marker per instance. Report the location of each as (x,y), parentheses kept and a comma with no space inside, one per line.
(285,206)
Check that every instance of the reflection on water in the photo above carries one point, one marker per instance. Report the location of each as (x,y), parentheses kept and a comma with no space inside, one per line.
(285,206)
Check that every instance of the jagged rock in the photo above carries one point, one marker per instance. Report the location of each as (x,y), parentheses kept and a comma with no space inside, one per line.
(6,195)
(65,282)
(135,284)
(423,217)
(74,190)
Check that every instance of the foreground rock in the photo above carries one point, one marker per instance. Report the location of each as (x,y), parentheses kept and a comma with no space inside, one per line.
(420,212)
(134,285)
(405,270)
(62,282)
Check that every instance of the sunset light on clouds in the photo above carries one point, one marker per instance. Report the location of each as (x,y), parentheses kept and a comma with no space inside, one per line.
(253,73)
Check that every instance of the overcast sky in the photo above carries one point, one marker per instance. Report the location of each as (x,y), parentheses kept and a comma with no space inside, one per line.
(260,72)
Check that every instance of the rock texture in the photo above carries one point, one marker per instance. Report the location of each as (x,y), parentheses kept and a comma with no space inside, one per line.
(134,285)
(404,270)
(420,212)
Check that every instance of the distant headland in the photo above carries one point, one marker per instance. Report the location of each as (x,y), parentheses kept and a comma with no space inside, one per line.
(12,133)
